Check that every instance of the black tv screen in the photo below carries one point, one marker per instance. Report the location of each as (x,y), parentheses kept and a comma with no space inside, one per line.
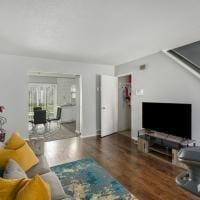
(170,118)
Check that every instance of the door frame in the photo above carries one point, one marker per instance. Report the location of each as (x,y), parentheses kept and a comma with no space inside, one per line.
(126,74)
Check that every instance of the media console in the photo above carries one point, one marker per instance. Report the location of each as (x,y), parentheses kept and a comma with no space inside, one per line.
(162,145)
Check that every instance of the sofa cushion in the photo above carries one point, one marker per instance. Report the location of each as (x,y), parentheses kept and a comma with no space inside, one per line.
(35,189)
(14,142)
(57,192)
(41,167)
(10,187)
(13,171)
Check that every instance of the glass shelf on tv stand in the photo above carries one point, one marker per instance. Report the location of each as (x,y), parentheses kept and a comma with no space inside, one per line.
(171,138)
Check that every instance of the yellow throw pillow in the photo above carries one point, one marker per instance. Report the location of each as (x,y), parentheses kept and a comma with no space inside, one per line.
(5,155)
(35,189)
(25,157)
(10,187)
(14,142)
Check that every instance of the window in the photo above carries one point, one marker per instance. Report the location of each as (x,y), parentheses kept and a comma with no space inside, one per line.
(42,95)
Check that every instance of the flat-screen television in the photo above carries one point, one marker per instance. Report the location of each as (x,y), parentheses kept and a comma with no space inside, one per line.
(170,118)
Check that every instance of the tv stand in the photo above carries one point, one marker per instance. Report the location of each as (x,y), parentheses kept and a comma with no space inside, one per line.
(162,145)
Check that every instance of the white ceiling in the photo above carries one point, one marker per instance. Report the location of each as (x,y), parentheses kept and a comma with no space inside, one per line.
(96,31)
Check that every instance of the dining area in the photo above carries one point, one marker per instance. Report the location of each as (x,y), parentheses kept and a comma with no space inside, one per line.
(53,106)
(42,117)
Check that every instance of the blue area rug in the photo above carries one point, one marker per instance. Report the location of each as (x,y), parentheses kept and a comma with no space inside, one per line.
(86,179)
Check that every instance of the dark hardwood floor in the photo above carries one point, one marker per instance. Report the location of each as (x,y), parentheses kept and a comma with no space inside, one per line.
(148,178)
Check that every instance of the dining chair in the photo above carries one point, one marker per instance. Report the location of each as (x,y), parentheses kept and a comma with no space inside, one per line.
(39,118)
(57,119)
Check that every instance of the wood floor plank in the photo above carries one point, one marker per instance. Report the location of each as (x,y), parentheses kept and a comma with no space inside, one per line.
(147,177)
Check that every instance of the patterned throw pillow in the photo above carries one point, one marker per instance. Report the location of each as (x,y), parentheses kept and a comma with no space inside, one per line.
(13,171)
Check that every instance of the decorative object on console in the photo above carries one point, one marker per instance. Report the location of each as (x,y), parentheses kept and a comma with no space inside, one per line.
(3,120)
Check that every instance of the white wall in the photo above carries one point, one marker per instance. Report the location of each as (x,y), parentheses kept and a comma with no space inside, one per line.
(163,81)
(68,113)
(14,80)
(64,99)
(124,110)
(64,90)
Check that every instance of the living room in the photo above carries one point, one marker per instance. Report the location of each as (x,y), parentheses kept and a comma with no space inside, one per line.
(155,44)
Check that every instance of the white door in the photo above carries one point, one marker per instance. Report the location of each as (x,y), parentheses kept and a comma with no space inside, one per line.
(109,105)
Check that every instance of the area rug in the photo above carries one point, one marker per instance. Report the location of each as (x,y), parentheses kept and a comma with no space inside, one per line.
(86,179)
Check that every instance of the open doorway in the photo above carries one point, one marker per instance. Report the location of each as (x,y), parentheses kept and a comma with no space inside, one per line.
(124,104)
(54,105)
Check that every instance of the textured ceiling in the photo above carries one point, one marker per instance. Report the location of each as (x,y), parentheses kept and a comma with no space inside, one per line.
(96,31)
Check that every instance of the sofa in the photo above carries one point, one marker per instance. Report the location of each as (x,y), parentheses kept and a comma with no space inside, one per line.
(43,169)
(14,171)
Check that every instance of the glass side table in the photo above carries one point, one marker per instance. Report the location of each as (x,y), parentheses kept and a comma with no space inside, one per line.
(3,120)
(2,135)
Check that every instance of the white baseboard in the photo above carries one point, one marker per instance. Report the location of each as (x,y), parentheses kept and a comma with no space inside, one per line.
(87,136)
(98,132)
(134,138)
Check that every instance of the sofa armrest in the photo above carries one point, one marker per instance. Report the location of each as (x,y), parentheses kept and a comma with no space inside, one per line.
(37,145)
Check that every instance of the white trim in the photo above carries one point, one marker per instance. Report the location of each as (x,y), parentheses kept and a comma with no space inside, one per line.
(126,74)
(98,132)
(134,138)
(78,132)
(87,136)
(64,75)
(52,74)
(182,64)
(80,103)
